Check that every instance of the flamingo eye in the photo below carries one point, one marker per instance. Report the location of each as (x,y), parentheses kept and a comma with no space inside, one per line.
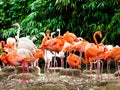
(48,38)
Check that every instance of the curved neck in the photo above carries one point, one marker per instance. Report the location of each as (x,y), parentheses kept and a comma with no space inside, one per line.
(83,60)
(18,32)
(58,32)
(94,37)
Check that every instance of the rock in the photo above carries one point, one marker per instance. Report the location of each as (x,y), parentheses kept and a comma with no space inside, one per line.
(26,76)
(8,69)
(75,72)
(57,69)
(53,87)
(3,75)
(11,70)
(88,72)
(112,86)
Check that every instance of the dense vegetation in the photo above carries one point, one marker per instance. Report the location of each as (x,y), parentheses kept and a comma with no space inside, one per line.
(82,17)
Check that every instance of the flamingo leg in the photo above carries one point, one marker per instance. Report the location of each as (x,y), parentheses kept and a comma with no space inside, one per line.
(15,72)
(119,68)
(25,68)
(66,60)
(46,67)
(62,62)
(98,68)
(66,63)
(72,72)
(28,73)
(23,78)
(80,54)
(55,62)
(108,68)
(101,68)
(91,69)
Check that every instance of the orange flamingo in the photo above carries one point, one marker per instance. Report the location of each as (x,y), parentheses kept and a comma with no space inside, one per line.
(55,44)
(60,54)
(2,44)
(12,59)
(47,53)
(47,37)
(94,51)
(109,48)
(73,60)
(70,37)
(80,47)
(113,54)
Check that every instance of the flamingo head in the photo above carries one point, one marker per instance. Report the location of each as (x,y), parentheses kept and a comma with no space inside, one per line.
(99,33)
(47,32)
(15,24)
(34,38)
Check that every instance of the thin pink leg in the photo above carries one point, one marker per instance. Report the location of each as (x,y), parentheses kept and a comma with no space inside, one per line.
(25,69)
(23,78)
(62,62)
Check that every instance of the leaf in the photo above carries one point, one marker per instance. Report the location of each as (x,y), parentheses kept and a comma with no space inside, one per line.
(105,37)
(118,30)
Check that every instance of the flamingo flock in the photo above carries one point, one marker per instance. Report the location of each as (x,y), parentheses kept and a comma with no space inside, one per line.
(21,51)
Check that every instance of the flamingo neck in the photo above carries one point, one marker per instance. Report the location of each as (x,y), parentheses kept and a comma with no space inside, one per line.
(94,37)
(18,32)
(83,60)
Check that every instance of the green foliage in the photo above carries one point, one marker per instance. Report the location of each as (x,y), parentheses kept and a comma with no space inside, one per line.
(82,17)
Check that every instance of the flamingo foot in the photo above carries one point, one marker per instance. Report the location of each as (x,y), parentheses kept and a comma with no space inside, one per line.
(23,81)
(28,80)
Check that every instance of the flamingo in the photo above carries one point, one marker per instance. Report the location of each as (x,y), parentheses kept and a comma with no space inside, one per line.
(70,37)
(47,53)
(27,48)
(73,60)
(21,57)
(55,45)
(94,51)
(113,54)
(109,48)
(60,54)
(25,42)
(2,44)
(80,47)
(11,58)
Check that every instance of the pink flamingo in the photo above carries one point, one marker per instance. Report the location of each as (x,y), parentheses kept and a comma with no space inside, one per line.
(94,52)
